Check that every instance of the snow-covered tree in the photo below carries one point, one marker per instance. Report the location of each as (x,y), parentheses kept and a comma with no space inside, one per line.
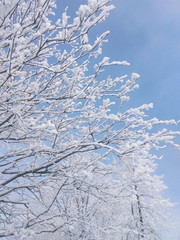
(143,209)
(83,206)
(56,109)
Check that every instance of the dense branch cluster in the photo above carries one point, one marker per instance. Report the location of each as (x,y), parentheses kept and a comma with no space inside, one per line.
(73,164)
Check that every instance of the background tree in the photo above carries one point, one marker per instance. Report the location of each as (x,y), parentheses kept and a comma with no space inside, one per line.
(143,208)
(56,104)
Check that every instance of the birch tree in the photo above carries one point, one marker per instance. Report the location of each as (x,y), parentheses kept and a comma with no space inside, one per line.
(55,105)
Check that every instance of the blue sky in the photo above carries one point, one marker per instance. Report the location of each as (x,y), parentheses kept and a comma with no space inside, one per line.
(147,34)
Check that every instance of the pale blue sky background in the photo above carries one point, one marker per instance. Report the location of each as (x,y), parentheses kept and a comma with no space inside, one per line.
(147,34)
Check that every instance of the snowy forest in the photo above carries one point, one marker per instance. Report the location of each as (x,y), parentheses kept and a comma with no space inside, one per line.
(75,164)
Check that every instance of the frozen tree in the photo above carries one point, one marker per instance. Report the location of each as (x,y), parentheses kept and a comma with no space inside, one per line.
(142,210)
(81,208)
(56,105)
